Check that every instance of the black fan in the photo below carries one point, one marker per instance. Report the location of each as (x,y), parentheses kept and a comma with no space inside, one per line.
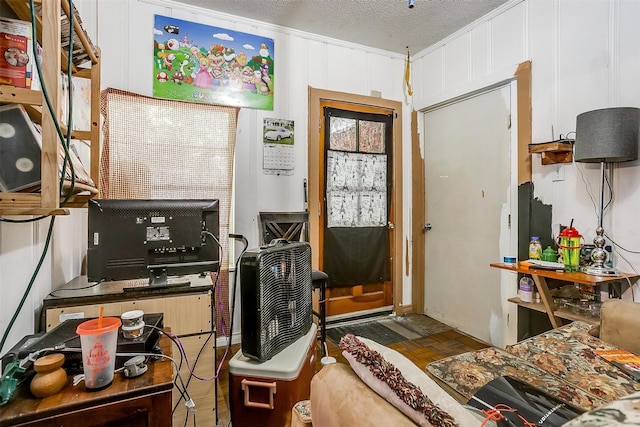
(276,288)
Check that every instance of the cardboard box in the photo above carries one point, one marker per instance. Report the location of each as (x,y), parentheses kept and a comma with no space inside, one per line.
(16,53)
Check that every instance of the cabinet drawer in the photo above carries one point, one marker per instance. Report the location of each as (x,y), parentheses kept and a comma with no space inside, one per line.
(184,314)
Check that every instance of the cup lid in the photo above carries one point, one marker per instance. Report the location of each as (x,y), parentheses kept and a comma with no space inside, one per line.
(133,314)
(570,232)
(91,327)
(138,325)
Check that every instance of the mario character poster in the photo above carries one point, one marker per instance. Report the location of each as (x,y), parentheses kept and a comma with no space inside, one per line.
(201,63)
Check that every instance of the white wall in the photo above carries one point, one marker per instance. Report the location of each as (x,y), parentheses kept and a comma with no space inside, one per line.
(123,30)
(585,56)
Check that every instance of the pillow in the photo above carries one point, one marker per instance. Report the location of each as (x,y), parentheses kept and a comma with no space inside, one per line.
(403,384)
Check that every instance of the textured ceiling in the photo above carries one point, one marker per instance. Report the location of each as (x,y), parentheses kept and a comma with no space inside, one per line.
(383,24)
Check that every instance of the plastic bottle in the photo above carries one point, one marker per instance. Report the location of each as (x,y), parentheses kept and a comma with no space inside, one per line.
(535,248)
(526,289)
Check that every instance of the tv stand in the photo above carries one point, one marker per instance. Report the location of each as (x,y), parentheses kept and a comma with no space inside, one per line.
(160,274)
(158,277)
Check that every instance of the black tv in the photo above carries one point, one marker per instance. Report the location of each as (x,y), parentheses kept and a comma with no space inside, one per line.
(133,239)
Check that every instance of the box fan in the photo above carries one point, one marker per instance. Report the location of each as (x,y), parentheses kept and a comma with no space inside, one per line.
(275,297)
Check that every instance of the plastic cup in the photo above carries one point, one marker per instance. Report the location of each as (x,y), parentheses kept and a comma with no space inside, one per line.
(99,344)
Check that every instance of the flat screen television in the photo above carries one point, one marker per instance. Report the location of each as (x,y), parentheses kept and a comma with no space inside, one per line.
(133,239)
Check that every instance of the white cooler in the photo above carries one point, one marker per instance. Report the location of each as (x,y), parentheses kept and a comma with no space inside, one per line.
(262,394)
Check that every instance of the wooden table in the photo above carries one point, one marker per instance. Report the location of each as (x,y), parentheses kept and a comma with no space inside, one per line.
(141,401)
(546,305)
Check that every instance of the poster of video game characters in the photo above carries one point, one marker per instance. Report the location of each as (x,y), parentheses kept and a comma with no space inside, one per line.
(201,63)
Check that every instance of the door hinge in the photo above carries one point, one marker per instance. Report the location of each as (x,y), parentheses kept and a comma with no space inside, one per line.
(319,125)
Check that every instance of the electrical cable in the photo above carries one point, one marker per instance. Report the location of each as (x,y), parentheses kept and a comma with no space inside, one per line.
(184,394)
(28,290)
(55,121)
(232,305)
(178,343)
(235,280)
(64,141)
(93,285)
(616,246)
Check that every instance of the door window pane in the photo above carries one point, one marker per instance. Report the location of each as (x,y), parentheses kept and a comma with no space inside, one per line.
(371,137)
(343,136)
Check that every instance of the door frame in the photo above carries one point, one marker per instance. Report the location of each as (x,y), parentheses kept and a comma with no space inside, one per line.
(316,162)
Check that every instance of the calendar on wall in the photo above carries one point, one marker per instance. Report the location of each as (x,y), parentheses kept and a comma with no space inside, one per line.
(278,147)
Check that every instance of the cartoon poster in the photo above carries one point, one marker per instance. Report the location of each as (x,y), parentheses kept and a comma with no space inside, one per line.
(201,63)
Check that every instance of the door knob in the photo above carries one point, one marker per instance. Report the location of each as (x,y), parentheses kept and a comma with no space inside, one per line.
(426,227)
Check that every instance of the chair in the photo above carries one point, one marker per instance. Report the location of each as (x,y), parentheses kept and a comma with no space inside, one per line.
(293,226)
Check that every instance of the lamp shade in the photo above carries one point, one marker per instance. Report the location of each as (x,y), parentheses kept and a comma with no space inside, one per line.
(609,135)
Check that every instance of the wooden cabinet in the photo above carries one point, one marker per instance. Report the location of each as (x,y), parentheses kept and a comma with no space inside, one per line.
(546,304)
(188,312)
(143,401)
(49,15)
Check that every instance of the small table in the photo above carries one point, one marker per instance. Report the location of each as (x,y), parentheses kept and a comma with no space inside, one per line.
(141,401)
(540,277)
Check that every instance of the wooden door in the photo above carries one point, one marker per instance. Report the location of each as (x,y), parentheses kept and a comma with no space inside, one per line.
(357,192)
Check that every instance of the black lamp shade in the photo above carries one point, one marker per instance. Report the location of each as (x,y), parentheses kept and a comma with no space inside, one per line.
(609,135)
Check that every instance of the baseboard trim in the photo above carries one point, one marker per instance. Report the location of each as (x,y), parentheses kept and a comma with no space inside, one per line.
(359,315)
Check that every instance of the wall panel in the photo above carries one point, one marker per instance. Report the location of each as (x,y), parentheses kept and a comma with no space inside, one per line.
(628,34)
(457,62)
(508,38)
(480,52)
(339,66)
(543,49)
(583,72)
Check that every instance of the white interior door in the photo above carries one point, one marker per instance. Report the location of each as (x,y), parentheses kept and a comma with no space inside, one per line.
(467,176)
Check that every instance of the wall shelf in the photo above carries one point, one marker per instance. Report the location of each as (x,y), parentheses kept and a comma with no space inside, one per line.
(51,16)
(560,151)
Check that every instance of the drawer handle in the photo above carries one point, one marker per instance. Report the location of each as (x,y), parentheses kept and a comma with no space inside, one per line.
(245,387)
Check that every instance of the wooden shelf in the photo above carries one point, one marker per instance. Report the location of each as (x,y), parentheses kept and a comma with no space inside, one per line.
(18,95)
(553,152)
(546,305)
(565,276)
(561,313)
(51,15)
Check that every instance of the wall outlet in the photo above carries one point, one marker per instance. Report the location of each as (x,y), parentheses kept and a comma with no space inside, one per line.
(558,173)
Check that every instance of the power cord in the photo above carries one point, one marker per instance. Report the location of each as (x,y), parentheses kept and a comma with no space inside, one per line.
(65,146)
(28,290)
